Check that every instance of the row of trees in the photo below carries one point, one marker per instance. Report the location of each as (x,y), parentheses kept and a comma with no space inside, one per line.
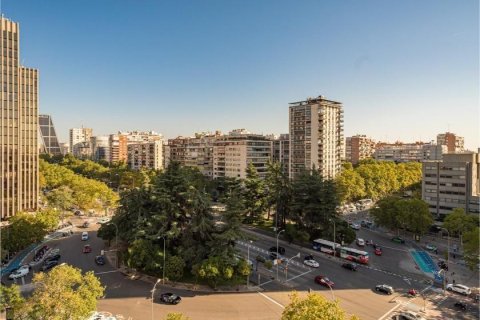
(377,179)
(63,189)
(27,228)
(64,293)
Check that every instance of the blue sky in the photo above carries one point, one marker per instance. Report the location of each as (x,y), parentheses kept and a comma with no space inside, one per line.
(405,70)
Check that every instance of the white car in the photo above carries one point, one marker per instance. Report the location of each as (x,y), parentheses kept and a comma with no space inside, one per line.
(355,226)
(311,263)
(84,235)
(21,272)
(460,288)
(360,242)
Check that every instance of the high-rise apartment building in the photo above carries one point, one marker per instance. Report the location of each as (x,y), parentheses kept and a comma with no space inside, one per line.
(232,154)
(452,183)
(453,142)
(19,126)
(145,155)
(358,148)
(281,151)
(78,138)
(48,137)
(316,136)
(199,152)
(177,149)
(118,148)
(141,136)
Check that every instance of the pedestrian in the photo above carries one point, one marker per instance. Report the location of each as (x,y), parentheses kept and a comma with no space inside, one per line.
(436,251)
(453,281)
(453,273)
(454,256)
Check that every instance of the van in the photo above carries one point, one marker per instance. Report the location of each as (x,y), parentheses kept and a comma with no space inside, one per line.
(84,236)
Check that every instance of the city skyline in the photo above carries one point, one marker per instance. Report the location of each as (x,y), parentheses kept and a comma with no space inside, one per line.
(239,66)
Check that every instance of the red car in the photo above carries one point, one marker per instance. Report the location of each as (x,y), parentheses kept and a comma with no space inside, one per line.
(378,251)
(324,281)
(87,248)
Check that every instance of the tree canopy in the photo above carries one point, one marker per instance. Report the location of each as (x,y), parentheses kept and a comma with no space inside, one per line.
(314,307)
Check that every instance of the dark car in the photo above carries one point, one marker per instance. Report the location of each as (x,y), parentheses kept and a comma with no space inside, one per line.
(49,265)
(100,260)
(309,257)
(261,259)
(281,250)
(398,240)
(55,257)
(350,266)
(170,298)
(384,288)
(460,305)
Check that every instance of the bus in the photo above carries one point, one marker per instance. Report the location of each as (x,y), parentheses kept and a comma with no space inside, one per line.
(326,246)
(351,254)
(354,255)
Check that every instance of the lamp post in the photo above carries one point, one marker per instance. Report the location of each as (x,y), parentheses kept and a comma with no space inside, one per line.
(248,261)
(331,291)
(278,235)
(333,220)
(286,267)
(153,292)
(164,256)
(444,278)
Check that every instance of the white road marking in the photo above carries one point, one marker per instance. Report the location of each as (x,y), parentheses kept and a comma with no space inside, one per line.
(299,275)
(389,312)
(104,272)
(267,297)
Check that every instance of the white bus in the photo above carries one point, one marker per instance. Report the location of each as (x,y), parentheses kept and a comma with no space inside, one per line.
(354,255)
(326,246)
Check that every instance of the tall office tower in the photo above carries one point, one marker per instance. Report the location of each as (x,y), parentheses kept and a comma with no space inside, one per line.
(316,136)
(48,137)
(118,148)
(452,183)
(101,148)
(78,136)
(18,127)
(358,148)
(232,154)
(453,142)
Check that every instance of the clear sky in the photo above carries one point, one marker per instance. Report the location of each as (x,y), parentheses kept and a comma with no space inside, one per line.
(405,70)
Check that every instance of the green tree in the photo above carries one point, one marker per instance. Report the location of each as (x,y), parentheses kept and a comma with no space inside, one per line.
(63,294)
(471,247)
(350,185)
(279,192)
(210,269)
(174,267)
(254,194)
(61,198)
(10,296)
(458,222)
(314,307)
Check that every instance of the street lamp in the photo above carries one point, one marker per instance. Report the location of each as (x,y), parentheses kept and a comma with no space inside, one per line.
(278,234)
(248,261)
(288,261)
(444,278)
(333,220)
(153,292)
(331,290)
(164,255)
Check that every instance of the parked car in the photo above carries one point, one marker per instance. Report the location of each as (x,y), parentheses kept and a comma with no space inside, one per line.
(281,250)
(100,260)
(460,305)
(360,242)
(366,224)
(170,298)
(49,265)
(355,226)
(53,257)
(350,266)
(324,281)
(84,235)
(384,288)
(311,263)
(378,251)
(20,272)
(459,288)
(87,248)
(261,259)
(398,240)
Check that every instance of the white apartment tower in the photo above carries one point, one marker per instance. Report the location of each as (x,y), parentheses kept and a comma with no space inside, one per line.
(79,135)
(316,136)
